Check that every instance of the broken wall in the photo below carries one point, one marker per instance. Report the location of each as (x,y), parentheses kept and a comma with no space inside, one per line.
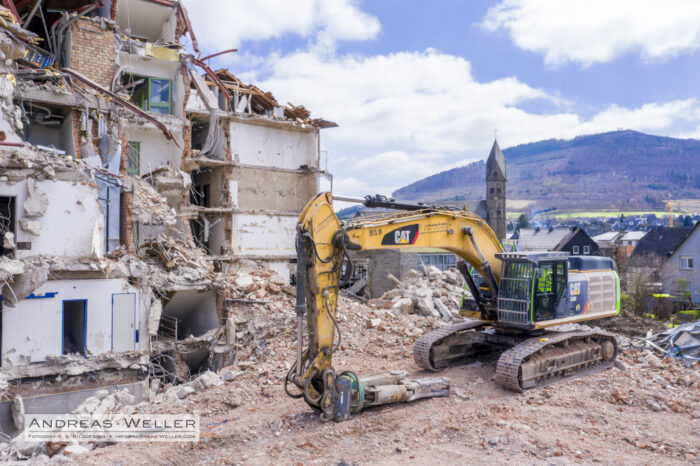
(274,144)
(42,216)
(33,329)
(92,50)
(152,21)
(154,150)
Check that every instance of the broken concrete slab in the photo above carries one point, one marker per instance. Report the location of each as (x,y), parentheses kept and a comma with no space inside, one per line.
(32,227)
(184,392)
(37,201)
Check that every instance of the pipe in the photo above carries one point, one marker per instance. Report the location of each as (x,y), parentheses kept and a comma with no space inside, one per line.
(356,200)
(218,53)
(32,13)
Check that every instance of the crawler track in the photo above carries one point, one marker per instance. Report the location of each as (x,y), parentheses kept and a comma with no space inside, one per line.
(554,357)
(448,346)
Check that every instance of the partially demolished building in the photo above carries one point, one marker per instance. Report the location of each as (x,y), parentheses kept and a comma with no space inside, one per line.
(135,183)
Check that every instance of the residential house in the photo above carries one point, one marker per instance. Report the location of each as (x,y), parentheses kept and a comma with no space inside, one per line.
(607,243)
(540,239)
(577,242)
(673,253)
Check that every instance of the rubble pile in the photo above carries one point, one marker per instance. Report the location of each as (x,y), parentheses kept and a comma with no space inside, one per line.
(429,292)
(682,341)
(644,380)
(149,206)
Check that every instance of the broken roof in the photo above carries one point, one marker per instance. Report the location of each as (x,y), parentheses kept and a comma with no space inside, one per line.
(264,102)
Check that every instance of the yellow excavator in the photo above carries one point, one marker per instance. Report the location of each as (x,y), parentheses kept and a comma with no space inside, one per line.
(523,295)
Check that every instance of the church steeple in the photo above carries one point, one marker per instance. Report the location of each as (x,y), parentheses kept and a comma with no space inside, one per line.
(496,191)
(496,163)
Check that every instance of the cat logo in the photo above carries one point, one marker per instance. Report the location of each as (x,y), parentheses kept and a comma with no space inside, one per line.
(400,236)
(575,288)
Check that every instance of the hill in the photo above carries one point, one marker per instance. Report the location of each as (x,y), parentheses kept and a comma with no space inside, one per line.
(615,170)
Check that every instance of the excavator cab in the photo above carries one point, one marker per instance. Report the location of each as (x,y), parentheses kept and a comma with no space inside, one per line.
(539,289)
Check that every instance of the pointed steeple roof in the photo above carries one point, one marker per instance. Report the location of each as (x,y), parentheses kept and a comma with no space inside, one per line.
(496,159)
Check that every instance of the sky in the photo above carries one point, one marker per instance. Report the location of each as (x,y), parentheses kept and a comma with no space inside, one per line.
(418,87)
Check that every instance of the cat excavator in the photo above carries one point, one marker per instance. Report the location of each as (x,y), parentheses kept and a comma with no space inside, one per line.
(521,297)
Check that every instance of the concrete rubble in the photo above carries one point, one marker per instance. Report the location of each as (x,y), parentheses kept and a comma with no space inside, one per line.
(429,292)
(244,402)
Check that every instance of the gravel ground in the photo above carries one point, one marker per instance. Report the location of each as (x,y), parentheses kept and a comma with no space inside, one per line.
(647,412)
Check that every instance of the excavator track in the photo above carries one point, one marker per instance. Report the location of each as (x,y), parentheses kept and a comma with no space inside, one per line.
(426,349)
(554,357)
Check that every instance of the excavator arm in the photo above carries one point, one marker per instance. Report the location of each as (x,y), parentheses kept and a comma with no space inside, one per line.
(323,264)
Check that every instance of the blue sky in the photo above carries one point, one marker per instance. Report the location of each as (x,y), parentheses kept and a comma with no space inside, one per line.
(418,87)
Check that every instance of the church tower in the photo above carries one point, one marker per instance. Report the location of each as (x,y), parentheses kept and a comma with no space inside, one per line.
(496,191)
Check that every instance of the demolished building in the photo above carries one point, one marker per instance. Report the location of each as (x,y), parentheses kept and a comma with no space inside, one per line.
(135,182)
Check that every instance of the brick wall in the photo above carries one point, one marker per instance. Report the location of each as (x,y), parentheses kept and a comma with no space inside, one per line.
(93,50)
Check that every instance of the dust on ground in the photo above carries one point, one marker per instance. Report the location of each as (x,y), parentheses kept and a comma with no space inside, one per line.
(643,411)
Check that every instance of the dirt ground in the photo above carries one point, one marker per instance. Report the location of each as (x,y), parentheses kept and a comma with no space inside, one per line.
(636,415)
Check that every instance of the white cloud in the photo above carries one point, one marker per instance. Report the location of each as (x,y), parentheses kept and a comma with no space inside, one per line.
(408,115)
(597,31)
(224,24)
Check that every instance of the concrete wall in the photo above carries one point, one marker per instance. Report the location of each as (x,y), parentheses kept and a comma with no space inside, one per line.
(33,329)
(264,235)
(281,147)
(156,151)
(274,190)
(147,19)
(68,203)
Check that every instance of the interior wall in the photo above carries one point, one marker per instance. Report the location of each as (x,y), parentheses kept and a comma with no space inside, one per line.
(273,190)
(195,310)
(147,19)
(32,330)
(67,202)
(264,235)
(265,146)
(155,151)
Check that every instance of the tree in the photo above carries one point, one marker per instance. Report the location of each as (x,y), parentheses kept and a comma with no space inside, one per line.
(687,221)
(523,222)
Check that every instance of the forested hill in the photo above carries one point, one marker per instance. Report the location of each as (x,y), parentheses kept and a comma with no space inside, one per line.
(616,170)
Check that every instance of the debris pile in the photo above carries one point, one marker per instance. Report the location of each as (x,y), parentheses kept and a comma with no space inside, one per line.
(430,292)
(682,341)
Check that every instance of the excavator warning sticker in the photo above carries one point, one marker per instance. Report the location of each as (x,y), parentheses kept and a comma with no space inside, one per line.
(403,235)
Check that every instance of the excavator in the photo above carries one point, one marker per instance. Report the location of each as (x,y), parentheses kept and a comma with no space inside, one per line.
(521,297)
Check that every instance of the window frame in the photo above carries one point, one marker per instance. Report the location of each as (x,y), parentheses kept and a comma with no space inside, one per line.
(169,104)
(574,250)
(147,105)
(689,265)
(586,250)
(137,146)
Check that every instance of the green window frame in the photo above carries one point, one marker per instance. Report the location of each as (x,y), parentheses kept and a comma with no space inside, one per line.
(156,95)
(133,158)
(158,89)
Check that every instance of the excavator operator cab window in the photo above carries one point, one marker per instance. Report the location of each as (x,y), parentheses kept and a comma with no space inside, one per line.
(550,282)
